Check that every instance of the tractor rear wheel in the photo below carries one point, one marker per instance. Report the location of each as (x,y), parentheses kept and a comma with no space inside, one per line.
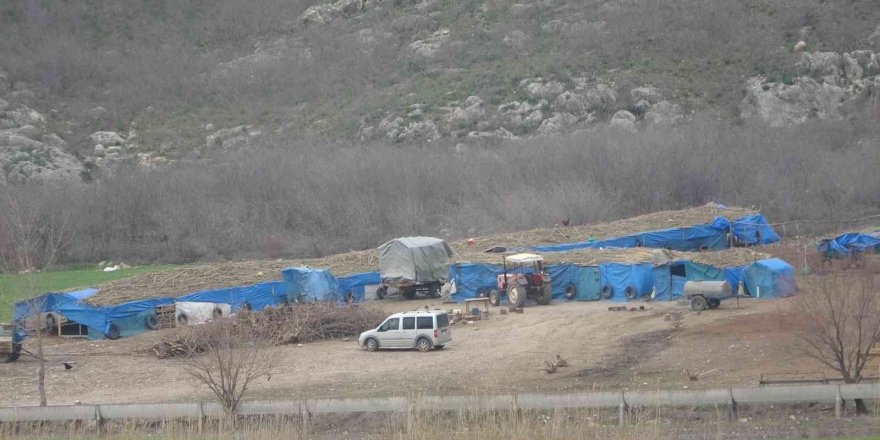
(546,294)
(516,294)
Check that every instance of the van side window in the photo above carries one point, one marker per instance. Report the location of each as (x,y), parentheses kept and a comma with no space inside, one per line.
(391,324)
(409,323)
(426,322)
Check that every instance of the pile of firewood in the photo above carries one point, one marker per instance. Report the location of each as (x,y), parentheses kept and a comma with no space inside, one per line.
(284,324)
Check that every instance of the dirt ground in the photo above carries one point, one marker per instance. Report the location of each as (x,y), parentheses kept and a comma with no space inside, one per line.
(632,349)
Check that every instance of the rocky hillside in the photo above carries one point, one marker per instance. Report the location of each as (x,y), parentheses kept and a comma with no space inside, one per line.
(87,90)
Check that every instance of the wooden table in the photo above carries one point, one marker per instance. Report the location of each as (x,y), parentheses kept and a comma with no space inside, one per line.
(476,302)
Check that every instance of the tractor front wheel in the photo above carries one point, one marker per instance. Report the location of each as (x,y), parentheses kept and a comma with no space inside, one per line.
(546,295)
(516,294)
(494,297)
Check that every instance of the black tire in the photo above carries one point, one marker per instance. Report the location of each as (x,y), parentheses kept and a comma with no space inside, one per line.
(713,303)
(434,290)
(382,292)
(607,291)
(516,295)
(424,345)
(217,313)
(182,318)
(631,292)
(698,303)
(151,322)
(409,292)
(51,322)
(546,294)
(494,297)
(371,344)
(571,292)
(113,331)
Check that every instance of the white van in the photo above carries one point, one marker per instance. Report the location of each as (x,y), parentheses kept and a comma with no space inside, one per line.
(423,330)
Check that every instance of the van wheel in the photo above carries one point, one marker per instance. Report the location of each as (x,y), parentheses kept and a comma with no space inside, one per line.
(424,345)
(371,344)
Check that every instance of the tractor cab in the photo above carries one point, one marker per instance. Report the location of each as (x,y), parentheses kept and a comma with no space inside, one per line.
(524,277)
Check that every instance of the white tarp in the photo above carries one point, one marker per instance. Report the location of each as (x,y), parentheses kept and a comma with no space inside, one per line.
(200,312)
(411,260)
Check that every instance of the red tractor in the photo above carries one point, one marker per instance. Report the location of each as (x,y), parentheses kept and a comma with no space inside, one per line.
(524,278)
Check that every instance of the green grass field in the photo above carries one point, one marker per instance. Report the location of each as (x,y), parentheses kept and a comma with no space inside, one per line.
(14,287)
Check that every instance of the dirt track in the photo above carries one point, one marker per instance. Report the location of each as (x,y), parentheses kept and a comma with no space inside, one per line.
(502,354)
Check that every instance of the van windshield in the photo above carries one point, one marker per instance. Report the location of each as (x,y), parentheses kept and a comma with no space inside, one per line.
(442,320)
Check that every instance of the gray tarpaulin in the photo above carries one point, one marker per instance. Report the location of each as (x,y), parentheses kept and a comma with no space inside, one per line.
(410,260)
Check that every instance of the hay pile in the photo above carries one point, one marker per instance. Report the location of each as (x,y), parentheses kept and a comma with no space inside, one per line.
(193,278)
(591,257)
(648,222)
(236,273)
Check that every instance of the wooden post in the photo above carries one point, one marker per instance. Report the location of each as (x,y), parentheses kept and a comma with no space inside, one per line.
(731,406)
(621,412)
(838,404)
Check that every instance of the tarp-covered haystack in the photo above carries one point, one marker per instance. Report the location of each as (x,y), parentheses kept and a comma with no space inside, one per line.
(592,257)
(844,245)
(199,277)
(656,221)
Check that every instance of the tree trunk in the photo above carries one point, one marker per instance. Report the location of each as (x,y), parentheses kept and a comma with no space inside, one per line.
(41,372)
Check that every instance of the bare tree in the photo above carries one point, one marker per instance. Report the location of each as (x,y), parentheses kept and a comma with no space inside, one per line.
(227,358)
(842,315)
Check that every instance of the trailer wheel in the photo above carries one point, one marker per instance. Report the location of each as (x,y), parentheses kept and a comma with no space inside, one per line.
(113,331)
(607,291)
(151,322)
(631,292)
(409,292)
(571,291)
(434,290)
(382,292)
(494,297)
(698,303)
(713,303)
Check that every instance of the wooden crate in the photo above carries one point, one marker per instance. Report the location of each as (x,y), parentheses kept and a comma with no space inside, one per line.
(166,315)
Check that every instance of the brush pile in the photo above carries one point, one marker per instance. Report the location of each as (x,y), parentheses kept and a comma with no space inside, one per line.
(294,324)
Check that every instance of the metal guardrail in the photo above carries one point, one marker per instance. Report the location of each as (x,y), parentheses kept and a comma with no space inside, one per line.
(623,400)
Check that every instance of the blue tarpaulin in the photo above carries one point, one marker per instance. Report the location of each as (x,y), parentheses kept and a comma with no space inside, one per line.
(256,295)
(588,282)
(310,284)
(619,276)
(355,284)
(471,278)
(844,244)
(770,278)
(752,229)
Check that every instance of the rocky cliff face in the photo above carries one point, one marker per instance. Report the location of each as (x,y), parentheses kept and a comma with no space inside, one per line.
(830,86)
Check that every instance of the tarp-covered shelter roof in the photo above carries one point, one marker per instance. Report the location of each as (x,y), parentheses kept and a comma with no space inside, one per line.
(524,258)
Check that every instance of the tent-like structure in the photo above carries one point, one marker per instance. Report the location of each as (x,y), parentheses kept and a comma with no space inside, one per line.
(309,284)
(354,287)
(845,244)
(770,278)
(669,278)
